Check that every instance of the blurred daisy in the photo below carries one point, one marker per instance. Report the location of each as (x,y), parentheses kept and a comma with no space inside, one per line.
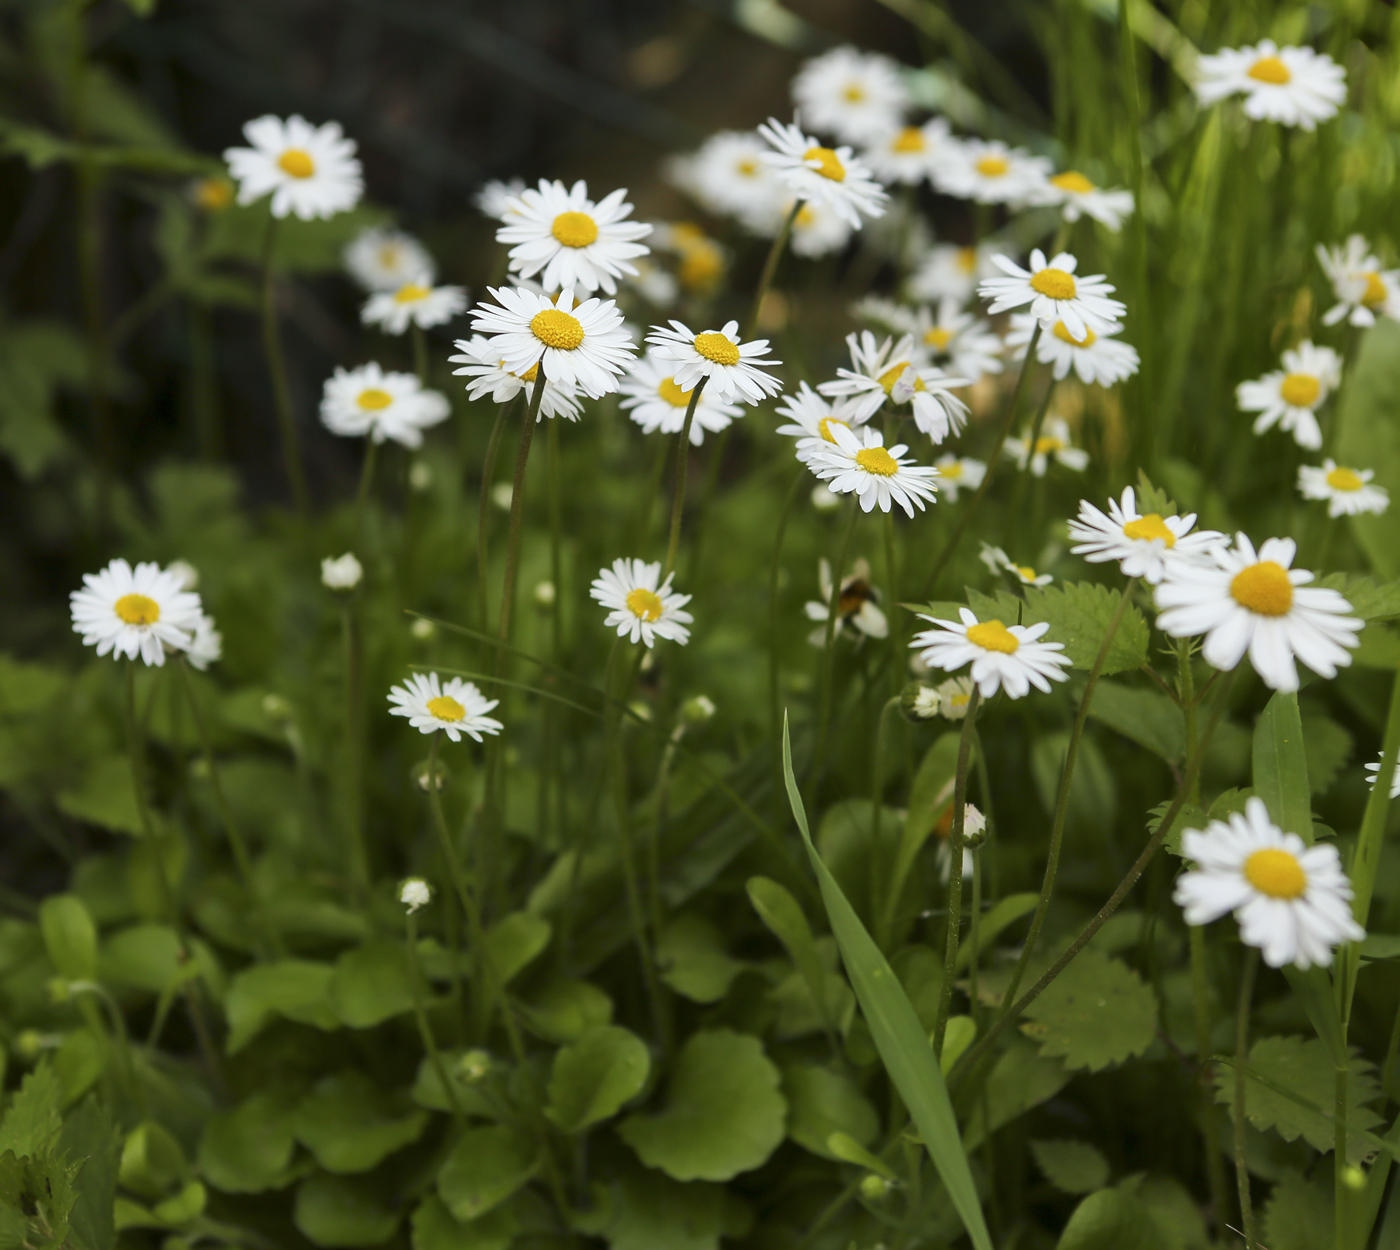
(702,261)
(310,171)
(415,893)
(1373,775)
(383,259)
(857,462)
(1075,196)
(907,153)
(341,573)
(811,417)
(1010,658)
(1291,86)
(418,302)
(639,608)
(956,474)
(1292,901)
(1291,396)
(1243,601)
(999,562)
(851,94)
(830,176)
(953,697)
(649,392)
(1348,492)
(989,172)
(950,272)
(919,701)
(956,340)
(1142,544)
(817,230)
(857,605)
(730,175)
(489,376)
(1362,288)
(734,369)
(1054,443)
(455,706)
(890,370)
(1054,294)
(206,644)
(210,195)
(370,402)
(494,198)
(1094,357)
(135,612)
(577,243)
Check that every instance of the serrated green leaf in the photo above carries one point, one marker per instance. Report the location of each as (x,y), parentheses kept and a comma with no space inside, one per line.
(434,1228)
(90,1134)
(1298,1214)
(1328,747)
(32,1121)
(822,1102)
(247,1150)
(1150,498)
(1000,605)
(1096,1013)
(1072,1167)
(691,959)
(371,983)
(595,1075)
(349,1124)
(1147,717)
(339,1211)
(1281,765)
(484,1168)
(1079,614)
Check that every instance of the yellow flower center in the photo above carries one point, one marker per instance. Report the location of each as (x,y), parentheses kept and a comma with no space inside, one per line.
(445,707)
(951,471)
(878,461)
(910,139)
(1066,337)
(296,163)
(1271,70)
(938,338)
(828,163)
(1275,873)
(374,399)
(1055,283)
(212,194)
(138,609)
(644,603)
(1299,390)
(1073,181)
(530,374)
(574,229)
(1344,479)
(805,217)
(701,266)
(891,375)
(967,259)
(1027,573)
(854,93)
(992,166)
(1047,443)
(411,293)
(825,424)
(556,328)
(992,636)
(1263,588)
(714,346)
(1375,291)
(1149,527)
(746,168)
(959,700)
(672,394)
(389,255)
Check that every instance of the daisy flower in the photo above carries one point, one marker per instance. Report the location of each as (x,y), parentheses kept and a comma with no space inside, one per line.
(656,403)
(455,706)
(730,175)
(1362,288)
(1143,544)
(135,612)
(999,562)
(891,371)
(415,893)
(973,824)
(1075,196)
(989,172)
(494,198)
(1054,443)
(817,230)
(953,697)
(1373,771)
(857,605)
(1003,657)
(489,376)
(830,176)
(811,417)
(206,644)
(1291,396)
(1243,601)
(951,272)
(310,171)
(851,94)
(577,243)
(585,346)
(1348,492)
(907,153)
(958,473)
(369,401)
(1292,901)
(957,340)
(734,369)
(381,259)
(858,462)
(639,607)
(1054,294)
(1094,357)
(418,302)
(1291,86)
(919,701)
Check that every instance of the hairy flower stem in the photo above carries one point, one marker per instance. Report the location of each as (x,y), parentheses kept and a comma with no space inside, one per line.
(517,506)
(352,782)
(955,873)
(878,910)
(774,648)
(1251,967)
(827,656)
(420,1014)
(420,354)
(682,464)
(770,268)
(366,481)
(277,370)
(483,516)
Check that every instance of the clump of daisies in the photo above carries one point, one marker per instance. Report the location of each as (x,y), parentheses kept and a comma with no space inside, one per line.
(1361,287)
(1142,544)
(894,372)
(416,303)
(857,462)
(384,259)
(1054,442)
(1055,293)
(730,367)
(657,403)
(489,376)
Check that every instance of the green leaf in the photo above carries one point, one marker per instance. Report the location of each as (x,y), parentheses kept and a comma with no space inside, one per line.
(106,797)
(593,1076)
(1080,614)
(1111,1219)
(335,1211)
(152,1164)
(90,1134)
(1093,791)
(41,1188)
(1147,717)
(724,1113)
(845,1148)
(1298,1214)
(435,1229)
(79,1062)
(485,1167)
(1019,1080)
(822,1102)
(562,1009)
(295,988)
(1072,1167)
(1328,747)
(428,1089)
(247,1150)
(26,688)
(1175,1212)
(69,936)
(32,1121)
(183,1207)
(145,957)
(1000,605)
(1367,434)
(350,1124)
(691,959)
(1281,765)
(787,921)
(1096,1013)
(515,941)
(371,983)
(1003,913)
(644,1211)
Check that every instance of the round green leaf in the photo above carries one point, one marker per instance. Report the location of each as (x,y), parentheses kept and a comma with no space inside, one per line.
(485,1167)
(1072,1167)
(70,936)
(295,988)
(691,959)
(371,983)
(334,1211)
(822,1102)
(247,1150)
(435,1229)
(563,1009)
(350,1124)
(595,1075)
(152,1162)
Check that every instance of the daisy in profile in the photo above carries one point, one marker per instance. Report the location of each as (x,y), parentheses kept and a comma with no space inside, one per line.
(999,562)
(1292,900)
(817,230)
(638,607)
(1003,657)
(974,823)
(953,697)
(206,644)
(489,376)
(891,370)
(576,243)
(956,340)
(907,154)
(1291,86)
(1348,492)
(857,605)
(310,171)
(729,175)
(494,198)
(1094,357)
(654,401)
(418,302)
(1247,601)
(850,94)
(369,402)
(383,259)
(1373,775)
(732,368)
(950,272)
(811,417)
(858,463)
(455,706)
(831,176)
(1054,294)
(1291,396)
(1142,544)
(990,172)
(584,346)
(957,474)
(1055,443)
(1075,196)
(1361,287)
(135,612)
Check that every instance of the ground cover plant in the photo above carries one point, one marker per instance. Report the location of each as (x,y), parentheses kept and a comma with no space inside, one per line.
(848,714)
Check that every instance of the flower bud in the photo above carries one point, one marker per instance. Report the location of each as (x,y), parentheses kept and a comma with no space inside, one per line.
(875,1188)
(341,573)
(919,702)
(415,893)
(474,1066)
(697,709)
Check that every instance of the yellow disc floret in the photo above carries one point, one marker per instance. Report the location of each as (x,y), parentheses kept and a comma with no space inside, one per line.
(1072,181)
(213,194)
(1299,390)
(138,609)
(854,93)
(296,163)
(1276,873)
(951,471)
(828,163)
(445,707)
(938,338)
(1066,337)
(556,328)
(1048,443)
(1263,588)
(910,139)
(530,374)
(1056,283)
(878,461)
(993,166)
(825,424)
(892,375)
(644,603)
(411,293)
(1344,479)
(672,394)
(716,347)
(1270,69)
(1149,527)
(574,229)
(1375,294)
(374,399)
(993,636)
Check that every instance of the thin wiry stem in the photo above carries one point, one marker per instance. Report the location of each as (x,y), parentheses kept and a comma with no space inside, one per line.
(682,464)
(277,369)
(1251,966)
(483,516)
(420,1014)
(770,268)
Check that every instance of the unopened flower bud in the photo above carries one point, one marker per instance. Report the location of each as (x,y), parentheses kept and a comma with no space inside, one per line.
(824,499)
(474,1066)
(341,572)
(697,709)
(919,702)
(422,780)
(544,594)
(415,893)
(186,572)
(275,707)
(874,1188)
(59,991)
(420,477)
(422,629)
(501,495)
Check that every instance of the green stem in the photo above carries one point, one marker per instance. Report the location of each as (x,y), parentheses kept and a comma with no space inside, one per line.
(682,465)
(1392,1049)
(517,505)
(774,649)
(833,602)
(770,268)
(366,480)
(277,369)
(877,796)
(425,1031)
(1210,1117)
(352,782)
(420,354)
(1342,1196)
(894,615)
(483,517)
(1251,967)
(556,538)
(663,781)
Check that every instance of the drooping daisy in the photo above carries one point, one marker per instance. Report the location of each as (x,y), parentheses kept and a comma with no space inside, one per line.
(974,823)
(578,244)
(734,369)
(730,176)
(1362,288)
(494,198)
(1142,544)
(455,706)
(310,171)
(955,340)
(1348,492)
(1095,357)
(990,172)
(857,605)
(953,697)
(891,370)
(384,259)
(1054,294)
(850,94)
(999,562)
(135,612)
(958,473)
(1243,601)
(586,346)
(639,607)
(1291,86)
(951,272)
(656,403)
(1055,443)
(812,415)
(206,644)
(858,462)
(1003,657)
(489,376)
(1075,196)
(1292,901)
(831,176)
(1373,775)
(1291,396)
(817,230)
(370,402)
(418,302)
(907,154)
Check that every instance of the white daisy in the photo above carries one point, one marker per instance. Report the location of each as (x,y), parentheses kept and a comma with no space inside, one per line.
(455,706)
(857,605)
(1291,396)
(973,824)
(383,259)
(734,368)
(812,416)
(489,376)
(999,562)
(956,340)
(1054,294)
(586,346)
(953,697)
(831,176)
(310,171)
(656,403)
(892,370)
(1075,196)
(990,172)
(817,230)
(851,94)
(1292,901)
(417,302)
(858,462)
(206,644)
(919,701)
(958,473)
(415,893)
(135,612)
(907,154)
(730,175)
(1095,357)
(1373,771)
(341,573)
(1243,601)
(1362,288)
(1003,657)
(1348,492)
(1055,443)
(639,608)
(1291,86)
(951,272)
(370,402)
(494,198)
(1143,544)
